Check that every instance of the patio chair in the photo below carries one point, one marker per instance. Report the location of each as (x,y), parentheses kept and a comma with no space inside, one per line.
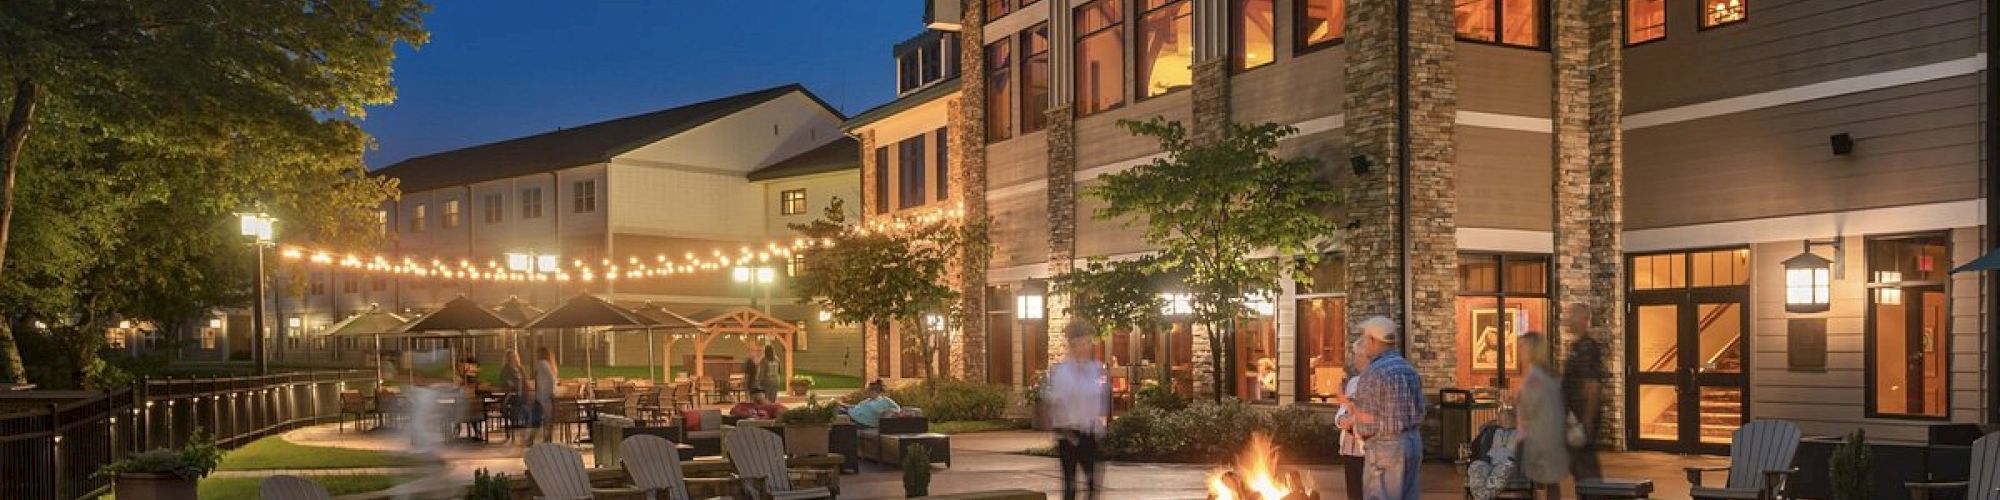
(352,403)
(568,415)
(653,403)
(1760,460)
(283,487)
(631,407)
(558,474)
(759,459)
(1985,474)
(683,395)
(655,467)
(706,390)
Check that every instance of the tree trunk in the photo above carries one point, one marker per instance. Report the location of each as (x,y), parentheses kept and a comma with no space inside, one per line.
(13,135)
(1217,368)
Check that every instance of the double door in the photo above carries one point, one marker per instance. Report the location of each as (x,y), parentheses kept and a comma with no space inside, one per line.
(1687,385)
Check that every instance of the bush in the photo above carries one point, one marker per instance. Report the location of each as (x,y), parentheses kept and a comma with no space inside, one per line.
(813,413)
(956,400)
(1850,469)
(916,471)
(1207,431)
(1153,394)
(494,486)
(193,460)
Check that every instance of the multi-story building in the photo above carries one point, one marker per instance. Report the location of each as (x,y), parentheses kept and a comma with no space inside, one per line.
(1661,163)
(650,190)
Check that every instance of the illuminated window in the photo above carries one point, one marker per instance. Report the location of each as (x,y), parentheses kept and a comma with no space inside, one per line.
(1253,33)
(910,171)
(417,218)
(1166,47)
(1499,298)
(792,202)
(1909,328)
(1320,22)
(450,214)
(1645,20)
(382,221)
(1719,12)
(531,203)
(1034,78)
(795,265)
(999,98)
(1100,57)
(996,9)
(494,208)
(1518,23)
(586,196)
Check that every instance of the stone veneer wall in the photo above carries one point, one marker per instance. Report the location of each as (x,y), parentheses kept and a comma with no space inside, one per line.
(966,123)
(1062,217)
(1375,271)
(1589,254)
(871,351)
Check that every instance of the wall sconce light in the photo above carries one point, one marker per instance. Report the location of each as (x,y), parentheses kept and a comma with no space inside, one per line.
(1260,305)
(1843,144)
(1809,279)
(215,323)
(1360,163)
(294,322)
(1029,306)
(1176,304)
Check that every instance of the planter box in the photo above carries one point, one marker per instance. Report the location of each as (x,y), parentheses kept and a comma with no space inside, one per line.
(806,440)
(154,486)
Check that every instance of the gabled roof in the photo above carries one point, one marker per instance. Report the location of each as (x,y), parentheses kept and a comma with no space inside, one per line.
(841,154)
(572,147)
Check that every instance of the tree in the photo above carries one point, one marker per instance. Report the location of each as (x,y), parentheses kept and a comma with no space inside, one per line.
(1229,215)
(198,108)
(1112,295)
(892,276)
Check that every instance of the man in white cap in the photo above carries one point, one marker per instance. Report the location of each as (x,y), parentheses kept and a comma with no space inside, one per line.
(1388,409)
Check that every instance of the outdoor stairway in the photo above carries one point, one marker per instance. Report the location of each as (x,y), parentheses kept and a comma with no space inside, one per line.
(1721,409)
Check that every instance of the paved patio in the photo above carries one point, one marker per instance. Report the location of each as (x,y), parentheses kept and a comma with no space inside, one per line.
(984,461)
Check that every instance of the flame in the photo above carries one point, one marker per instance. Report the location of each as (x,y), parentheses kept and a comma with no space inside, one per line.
(1256,476)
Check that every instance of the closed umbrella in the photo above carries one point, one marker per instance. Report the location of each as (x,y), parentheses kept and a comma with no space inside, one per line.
(516,312)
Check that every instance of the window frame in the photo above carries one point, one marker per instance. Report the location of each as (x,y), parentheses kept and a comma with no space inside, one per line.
(1135,87)
(1004,119)
(1236,58)
(1869,333)
(881,179)
(1301,46)
(1006,7)
(1028,112)
(1500,27)
(911,194)
(493,208)
(1501,295)
(1076,46)
(449,214)
(1701,17)
(785,201)
(418,215)
(531,203)
(583,196)
(1625,11)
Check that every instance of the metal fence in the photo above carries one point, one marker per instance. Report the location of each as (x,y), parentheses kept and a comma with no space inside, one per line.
(52,452)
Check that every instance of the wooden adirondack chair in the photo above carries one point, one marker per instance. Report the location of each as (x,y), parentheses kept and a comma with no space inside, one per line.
(1760,460)
(558,473)
(759,459)
(282,487)
(655,466)
(1985,474)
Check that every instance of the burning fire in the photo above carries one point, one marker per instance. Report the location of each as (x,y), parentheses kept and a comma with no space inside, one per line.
(1256,477)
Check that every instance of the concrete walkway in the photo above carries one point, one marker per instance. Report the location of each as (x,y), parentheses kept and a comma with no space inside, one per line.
(984,461)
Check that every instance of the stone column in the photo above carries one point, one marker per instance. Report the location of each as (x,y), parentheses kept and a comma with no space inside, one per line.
(966,123)
(1588,140)
(871,351)
(1062,217)
(1376,237)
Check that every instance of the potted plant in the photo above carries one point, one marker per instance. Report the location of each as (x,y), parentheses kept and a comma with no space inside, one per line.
(807,427)
(165,473)
(493,486)
(1032,396)
(800,384)
(1850,469)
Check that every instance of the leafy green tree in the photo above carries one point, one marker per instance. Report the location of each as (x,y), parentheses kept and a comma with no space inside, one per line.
(169,116)
(1228,214)
(1112,295)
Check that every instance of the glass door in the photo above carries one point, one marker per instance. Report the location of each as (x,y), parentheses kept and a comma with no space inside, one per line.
(1686,337)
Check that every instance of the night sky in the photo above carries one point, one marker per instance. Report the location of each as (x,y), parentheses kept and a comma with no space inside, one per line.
(497,69)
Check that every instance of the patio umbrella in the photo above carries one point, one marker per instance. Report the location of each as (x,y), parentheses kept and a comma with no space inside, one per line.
(1988,262)
(458,319)
(373,323)
(673,323)
(589,311)
(516,312)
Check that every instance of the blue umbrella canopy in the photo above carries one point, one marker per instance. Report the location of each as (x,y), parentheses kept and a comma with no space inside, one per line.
(1988,262)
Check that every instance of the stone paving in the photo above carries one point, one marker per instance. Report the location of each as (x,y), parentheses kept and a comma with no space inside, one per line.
(983,461)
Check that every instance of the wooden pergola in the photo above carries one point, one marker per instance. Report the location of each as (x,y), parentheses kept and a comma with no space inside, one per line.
(741,322)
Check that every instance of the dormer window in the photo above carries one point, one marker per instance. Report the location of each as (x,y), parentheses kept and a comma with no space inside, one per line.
(925,59)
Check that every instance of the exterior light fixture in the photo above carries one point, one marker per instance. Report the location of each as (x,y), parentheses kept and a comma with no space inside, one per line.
(215,323)
(294,322)
(258,225)
(825,316)
(1260,305)
(1176,304)
(1807,283)
(934,321)
(1029,306)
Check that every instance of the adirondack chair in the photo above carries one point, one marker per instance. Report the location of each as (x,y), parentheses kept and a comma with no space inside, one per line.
(759,458)
(558,473)
(1985,474)
(1760,460)
(655,466)
(282,487)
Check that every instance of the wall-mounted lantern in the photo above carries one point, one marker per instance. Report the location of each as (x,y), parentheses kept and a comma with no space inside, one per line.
(1809,279)
(1176,304)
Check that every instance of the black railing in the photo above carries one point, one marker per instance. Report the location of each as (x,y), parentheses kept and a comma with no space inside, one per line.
(52,452)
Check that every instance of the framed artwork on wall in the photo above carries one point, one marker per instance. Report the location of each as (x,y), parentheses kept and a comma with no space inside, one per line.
(1487,335)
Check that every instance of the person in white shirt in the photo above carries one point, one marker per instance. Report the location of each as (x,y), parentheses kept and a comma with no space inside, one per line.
(1078,400)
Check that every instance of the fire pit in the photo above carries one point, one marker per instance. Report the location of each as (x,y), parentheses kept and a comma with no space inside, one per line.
(1256,477)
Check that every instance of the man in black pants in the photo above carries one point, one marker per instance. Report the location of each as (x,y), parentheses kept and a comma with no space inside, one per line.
(1078,401)
(1583,388)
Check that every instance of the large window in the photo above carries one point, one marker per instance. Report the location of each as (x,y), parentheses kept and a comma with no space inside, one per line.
(1319,22)
(451,211)
(1166,47)
(1100,57)
(531,203)
(910,172)
(494,207)
(1645,20)
(792,202)
(1719,12)
(1321,359)
(1034,78)
(996,9)
(1253,33)
(1519,23)
(999,95)
(586,196)
(909,71)
(943,159)
(882,180)
(1909,334)
(1500,296)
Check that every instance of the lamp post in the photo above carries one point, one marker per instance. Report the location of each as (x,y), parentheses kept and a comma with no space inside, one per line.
(262,229)
(757,277)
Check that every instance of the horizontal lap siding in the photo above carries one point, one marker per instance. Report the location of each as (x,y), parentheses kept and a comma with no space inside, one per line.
(1100,141)
(1020,161)
(1787,43)
(1290,91)
(1914,144)
(1019,230)
(1504,178)
(1504,80)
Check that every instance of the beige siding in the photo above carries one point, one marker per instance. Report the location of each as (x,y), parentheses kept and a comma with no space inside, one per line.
(1020,229)
(1914,144)
(1097,237)
(1022,160)
(1503,80)
(1504,179)
(1290,91)
(1787,43)
(1099,139)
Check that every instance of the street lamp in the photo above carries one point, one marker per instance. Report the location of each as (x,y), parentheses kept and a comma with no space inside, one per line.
(757,277)
(262,230)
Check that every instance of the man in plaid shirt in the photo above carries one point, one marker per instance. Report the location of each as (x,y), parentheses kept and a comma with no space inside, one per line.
(1389,408)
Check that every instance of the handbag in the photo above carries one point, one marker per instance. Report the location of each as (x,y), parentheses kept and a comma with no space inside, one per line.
(1573,432)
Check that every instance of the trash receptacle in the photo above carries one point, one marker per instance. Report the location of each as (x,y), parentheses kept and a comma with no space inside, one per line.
(605,436)
(1460,413)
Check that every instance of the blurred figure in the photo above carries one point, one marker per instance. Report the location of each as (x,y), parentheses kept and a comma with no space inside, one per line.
(514,382)
(758,406)
(468,371)
(868,413)
(1352,450)
(1544,423)
(752,380)
(1493,453)
(545,395)
(771,372)
(1078,402)
(1583,388)
(1267,378)
(1388,413)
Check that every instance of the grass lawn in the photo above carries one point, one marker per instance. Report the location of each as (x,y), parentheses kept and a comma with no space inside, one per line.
(825,380)
(245,488)
(971,426)
(274,452)
(490,373)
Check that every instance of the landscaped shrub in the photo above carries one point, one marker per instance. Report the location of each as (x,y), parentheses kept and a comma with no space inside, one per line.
(955,400)
(1208,431)
(1153,393)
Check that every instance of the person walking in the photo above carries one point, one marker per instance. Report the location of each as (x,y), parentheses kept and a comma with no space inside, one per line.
(1544,422)
(1388,411)
(1352,451)
(770,373)
(1078,401)
(1583,379)
(545,396)
(514,382)
(753,380)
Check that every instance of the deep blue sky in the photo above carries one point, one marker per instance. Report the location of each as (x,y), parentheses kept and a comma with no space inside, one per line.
(496,69)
